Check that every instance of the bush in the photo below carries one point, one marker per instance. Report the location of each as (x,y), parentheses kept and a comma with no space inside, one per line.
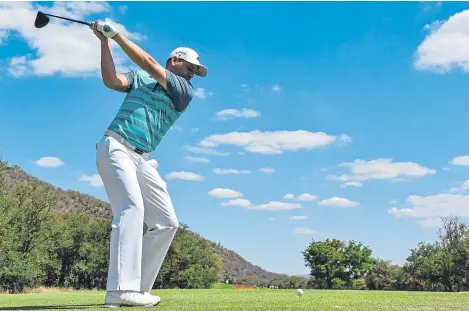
(358,284)
(338,283)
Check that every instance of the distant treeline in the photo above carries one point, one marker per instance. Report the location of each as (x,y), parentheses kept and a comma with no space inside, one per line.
(44,244)
(439,266)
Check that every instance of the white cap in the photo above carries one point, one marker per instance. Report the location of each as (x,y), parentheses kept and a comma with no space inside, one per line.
(191,56)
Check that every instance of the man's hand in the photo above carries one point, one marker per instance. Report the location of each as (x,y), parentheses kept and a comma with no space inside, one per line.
(108,29)
(97,33)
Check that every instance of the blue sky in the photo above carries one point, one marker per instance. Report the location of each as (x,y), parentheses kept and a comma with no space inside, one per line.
(316,120)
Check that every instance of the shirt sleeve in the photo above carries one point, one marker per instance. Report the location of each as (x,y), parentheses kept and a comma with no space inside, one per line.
(130,76)
(179,89)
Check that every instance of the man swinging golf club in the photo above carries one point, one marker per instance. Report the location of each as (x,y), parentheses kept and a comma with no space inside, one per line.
(156,97)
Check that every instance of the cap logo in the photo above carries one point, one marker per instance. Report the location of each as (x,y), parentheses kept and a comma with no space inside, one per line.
(180,53)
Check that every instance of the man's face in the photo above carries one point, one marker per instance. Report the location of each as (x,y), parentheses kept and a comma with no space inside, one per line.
(184,68)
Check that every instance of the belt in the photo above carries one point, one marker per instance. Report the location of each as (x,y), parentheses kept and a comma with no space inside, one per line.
(127,144)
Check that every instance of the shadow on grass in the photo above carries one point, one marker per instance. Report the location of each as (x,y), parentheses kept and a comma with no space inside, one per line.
(54,307)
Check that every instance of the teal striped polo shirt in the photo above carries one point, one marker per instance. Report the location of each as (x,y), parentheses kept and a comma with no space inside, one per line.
(148,111)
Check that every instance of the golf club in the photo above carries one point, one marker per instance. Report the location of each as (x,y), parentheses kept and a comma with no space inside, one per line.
(42,20)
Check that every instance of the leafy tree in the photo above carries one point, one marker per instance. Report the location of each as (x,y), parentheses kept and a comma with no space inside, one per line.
(190,263)
(25,226)
(358,284)
(294,282)
(444,264)
(386,276)
(454,242)
(339,261)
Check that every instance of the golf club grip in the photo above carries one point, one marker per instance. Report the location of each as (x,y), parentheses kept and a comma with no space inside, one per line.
(69,19)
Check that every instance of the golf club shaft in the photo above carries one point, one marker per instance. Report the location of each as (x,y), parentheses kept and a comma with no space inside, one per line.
(69,19)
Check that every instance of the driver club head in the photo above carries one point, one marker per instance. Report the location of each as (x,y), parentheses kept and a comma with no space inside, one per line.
(41,20)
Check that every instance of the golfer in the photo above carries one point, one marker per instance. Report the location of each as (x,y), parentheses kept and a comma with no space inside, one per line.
(156,97)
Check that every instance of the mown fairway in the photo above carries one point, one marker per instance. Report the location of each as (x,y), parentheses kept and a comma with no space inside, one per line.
(250,300)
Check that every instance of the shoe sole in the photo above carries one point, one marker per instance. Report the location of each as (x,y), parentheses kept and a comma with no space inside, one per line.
(124,305)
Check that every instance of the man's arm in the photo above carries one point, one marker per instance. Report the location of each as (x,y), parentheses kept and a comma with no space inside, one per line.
(112,80)
(142,59)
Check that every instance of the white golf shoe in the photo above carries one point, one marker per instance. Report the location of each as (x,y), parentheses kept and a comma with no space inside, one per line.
(149,294)
(116,299)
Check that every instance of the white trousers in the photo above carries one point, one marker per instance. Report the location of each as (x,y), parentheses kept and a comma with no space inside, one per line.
(137,195)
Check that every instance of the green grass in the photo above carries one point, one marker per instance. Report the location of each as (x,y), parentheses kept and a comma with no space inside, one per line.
(221,286)
(249,300)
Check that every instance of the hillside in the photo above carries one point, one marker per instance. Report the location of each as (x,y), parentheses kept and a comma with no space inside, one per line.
(235,266)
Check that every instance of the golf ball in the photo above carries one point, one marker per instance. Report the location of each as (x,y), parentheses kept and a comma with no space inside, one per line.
(299,292)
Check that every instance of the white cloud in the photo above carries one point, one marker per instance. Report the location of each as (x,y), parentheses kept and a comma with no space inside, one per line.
(344,140)
(460,160)
(224,193)
(228,114)
(462,187)
(202,150)
(433,26)
(62,47)
(3,36)
(306,197)
(18,66)
(276,88)
(454,190)
(351,184)
(201,93)
(196,160)
(362,170)
(439,205)
(237,202)
(122,9)
(304,231)
(195,129)
(298,217)
(175,127)
(267,170)
(49,162)
(272,142)
(185,176)
(465,184)
(340,202)
(229,171)
(275,206)
(94,180)
(426,6)
(446,47)
(302,197)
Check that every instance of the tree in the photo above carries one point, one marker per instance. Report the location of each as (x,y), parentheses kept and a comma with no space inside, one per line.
(25,228)
(190,263)
(443,265)
(386,276)
(454,243)
(337,263)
